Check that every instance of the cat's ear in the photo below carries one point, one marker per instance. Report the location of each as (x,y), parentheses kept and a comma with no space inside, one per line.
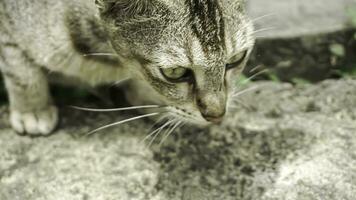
(124,8)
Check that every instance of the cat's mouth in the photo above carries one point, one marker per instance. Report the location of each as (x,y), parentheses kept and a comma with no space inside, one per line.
(193,117)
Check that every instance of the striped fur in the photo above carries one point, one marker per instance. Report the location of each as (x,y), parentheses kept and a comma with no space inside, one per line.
(207,23)
(143,36)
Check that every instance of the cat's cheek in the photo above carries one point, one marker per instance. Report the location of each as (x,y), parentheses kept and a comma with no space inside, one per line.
(231,76)
(139,93)
(232,79)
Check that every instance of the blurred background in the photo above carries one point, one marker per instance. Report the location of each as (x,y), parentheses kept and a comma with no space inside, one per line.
(298,41)
(303,41)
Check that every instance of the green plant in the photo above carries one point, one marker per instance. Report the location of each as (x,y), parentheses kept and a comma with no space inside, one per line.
(300,81)
(273,77)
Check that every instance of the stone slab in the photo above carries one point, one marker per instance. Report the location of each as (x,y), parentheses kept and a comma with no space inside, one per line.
(281,142)
(295,18)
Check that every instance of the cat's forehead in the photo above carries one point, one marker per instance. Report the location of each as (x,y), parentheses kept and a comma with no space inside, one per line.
(206,20)
(212,22)
(181,3)
(193,33)
(190,53)
(197,36)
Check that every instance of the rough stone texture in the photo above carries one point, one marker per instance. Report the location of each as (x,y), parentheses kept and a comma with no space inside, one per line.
(282,142)
(293,18)
(285,143)
(114,165)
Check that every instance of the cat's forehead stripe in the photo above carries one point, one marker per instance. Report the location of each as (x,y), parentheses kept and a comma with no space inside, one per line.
(207,23)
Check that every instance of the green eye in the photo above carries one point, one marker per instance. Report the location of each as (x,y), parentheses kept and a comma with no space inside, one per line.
(236,60)
(179,74)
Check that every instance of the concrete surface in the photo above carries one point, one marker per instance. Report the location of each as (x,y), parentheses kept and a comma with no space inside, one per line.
(280,143)
(294,18)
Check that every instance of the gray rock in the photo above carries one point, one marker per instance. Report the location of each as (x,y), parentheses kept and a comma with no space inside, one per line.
(281,142)
(68,166)
(284,143)
(294,18)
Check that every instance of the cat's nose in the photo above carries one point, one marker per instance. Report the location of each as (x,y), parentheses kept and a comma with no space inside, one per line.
(212,107)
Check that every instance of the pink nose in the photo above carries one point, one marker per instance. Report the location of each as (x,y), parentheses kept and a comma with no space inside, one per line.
(213,113)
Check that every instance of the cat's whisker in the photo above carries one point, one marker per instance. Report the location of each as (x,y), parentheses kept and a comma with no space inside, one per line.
(159,121)
(117,109)
(122,122)
(118,83)
(100,54)
(238,101)
(262,17)
(170,132)
(160,130)
(261,36)
(253,76)
(245,91)
(263,30)
(256,68)
(169,127)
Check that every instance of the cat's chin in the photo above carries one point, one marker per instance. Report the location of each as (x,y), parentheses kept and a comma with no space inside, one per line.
(201,125)
(197,122)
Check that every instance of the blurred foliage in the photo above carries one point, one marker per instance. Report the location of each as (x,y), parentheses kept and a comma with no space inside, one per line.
(307,59)
(273,77)
(300,81)
(350,73)
(337,50)
(351,13)
(310,58)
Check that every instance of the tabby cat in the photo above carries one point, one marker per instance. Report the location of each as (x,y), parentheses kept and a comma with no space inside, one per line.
(183,55)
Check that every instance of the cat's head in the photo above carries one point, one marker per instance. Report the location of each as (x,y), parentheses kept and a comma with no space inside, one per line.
(186,53)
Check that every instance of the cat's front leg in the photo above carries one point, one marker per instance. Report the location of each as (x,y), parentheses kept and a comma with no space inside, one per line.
(31,108)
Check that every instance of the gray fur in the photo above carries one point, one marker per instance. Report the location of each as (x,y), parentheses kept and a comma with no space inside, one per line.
(145,35)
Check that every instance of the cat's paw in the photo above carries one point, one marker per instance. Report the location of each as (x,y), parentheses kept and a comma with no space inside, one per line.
(36,123)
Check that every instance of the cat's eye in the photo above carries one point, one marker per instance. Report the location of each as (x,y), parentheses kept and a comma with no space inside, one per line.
(178,74)
(236,60)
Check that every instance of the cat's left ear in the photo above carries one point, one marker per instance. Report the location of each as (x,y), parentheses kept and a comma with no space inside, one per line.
(125,8)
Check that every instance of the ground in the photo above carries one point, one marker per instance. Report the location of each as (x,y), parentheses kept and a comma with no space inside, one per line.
(281,142)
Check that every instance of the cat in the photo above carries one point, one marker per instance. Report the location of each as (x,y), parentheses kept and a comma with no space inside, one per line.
(183,55)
